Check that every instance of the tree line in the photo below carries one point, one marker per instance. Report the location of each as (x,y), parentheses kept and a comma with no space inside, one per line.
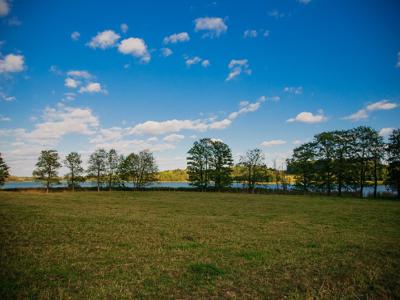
(335,161)
(106,168)
(332,163)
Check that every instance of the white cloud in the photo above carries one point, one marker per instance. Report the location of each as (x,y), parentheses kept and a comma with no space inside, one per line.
(91,88)
(192,61)
(164,127)
(176,37)
(273,143)
(75,35)
(196,60)
(305,2)
(124,27)
(104,39)
(135,47)
(237,67)
(173,138)
(166,52)
(308,117)
(71,83)
(56,123)
(364,112)
(4,8)
(205,63)
(250,33)
(382,105)
(386,131)
(4,119)
(7,98)
(213,27)
(174,126)
(79,73)
(14,21)
(12,63)
(296,90)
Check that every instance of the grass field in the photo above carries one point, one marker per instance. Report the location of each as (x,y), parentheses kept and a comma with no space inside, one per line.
(197,245)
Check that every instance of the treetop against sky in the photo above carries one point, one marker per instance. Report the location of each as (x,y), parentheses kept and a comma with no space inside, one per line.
(158,75)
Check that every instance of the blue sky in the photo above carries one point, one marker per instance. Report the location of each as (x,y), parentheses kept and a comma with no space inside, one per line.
(134,75)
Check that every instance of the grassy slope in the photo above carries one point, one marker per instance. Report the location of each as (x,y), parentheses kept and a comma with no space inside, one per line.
(180,245)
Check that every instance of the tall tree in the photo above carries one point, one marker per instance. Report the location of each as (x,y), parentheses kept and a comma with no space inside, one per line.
(112,163)
(325,146)
(46,167)
(302,166)
(97,166)
(221,164)
(73,162)
(362,152)
(393,153)
(377,149)
(141,169)
(254,163)
(342,162)
(4,171)
(198,163)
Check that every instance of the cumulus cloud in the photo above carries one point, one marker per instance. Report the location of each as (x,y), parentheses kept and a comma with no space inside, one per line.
(189,61)
(213,27)
(176,38)
(365,112)
(273,143)
(308,117)
(296,90)
(386,131)
(124,27)
(237,67)
(75,35)
(135,47)
(174,126)
(4,8)
(12,63)
(56,123)
(252,33)
(166,52)
(71,83)
(104,39)
(173,138)
(79,73)
(92,88)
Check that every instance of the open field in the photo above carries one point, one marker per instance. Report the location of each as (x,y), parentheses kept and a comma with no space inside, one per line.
(196,245)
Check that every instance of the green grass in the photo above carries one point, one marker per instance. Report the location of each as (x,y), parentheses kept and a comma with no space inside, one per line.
(196,245)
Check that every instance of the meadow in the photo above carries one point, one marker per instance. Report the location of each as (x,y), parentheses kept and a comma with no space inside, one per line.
(121,245)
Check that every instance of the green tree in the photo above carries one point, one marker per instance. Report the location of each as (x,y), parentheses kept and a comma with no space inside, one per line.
(393,157)
(112,164)
(302,166)
(221,163)
(4,171)
(97,166)
(141,169)
(377,149)
(46,167)
(73,162)
(325,147)
(342,162)
(198,163)
(256,171)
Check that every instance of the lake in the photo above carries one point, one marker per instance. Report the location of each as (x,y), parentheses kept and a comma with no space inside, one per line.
(166,184)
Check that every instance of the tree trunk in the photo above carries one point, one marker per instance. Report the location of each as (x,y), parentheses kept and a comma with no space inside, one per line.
(47,186)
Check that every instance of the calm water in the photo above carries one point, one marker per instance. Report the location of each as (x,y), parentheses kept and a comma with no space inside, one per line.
(34,184)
